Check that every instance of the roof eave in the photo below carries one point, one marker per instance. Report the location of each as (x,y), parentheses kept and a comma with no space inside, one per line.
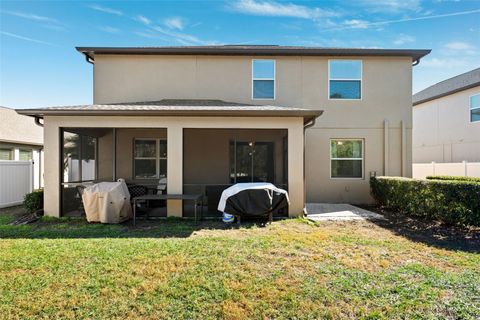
(307,115)
(415,54)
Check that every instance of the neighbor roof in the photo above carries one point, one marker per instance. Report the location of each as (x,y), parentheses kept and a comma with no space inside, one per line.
(177,107)
(249,50)
(459,83)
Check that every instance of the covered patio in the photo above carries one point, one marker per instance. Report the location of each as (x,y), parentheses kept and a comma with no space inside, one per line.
(174,147)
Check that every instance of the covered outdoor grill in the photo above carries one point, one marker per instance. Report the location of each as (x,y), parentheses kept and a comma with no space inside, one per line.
(249,200)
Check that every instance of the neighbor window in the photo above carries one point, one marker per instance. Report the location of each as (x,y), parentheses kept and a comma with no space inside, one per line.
(345,79)
(150,158)
(6,154)
(346,156)
(475,108)
(263,79)
(25,155)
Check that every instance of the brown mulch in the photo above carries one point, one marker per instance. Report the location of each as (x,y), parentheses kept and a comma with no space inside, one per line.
(433,232)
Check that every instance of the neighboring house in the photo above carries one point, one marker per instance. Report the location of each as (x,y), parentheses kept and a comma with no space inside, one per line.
(446,121)
(20,140)
(207,117)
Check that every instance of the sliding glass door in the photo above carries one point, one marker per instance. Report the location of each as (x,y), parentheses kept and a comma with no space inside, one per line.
(252,162)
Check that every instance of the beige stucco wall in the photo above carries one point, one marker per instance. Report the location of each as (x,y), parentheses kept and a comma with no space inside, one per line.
(442,131)
(15,128)
(300,82)
(175,127)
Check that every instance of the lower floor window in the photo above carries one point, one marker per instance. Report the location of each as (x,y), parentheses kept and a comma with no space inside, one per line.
(150,158)
(25,155)
(6,154)
(346,158)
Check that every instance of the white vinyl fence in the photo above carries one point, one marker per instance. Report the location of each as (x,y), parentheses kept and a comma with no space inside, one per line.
(461,169)
(16,180)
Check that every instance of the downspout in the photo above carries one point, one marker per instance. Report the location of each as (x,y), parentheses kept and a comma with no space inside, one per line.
(37,122)
(309,124)
(88,58)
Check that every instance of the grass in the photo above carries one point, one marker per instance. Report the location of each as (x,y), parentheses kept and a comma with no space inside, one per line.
(292,269)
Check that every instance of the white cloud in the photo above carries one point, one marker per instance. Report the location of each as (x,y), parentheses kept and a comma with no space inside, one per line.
(31,16)
(391,6)
(403,39)
(356,24)
(276,9)
(457,45)
(183,38)
(17,36)
(143,19)
(174,23)
(386,22)
(442,62)
(106,10)
(47,22)
(109,29)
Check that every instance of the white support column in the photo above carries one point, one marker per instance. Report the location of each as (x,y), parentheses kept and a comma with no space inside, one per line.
(16,154)
(174,168)
(296,177)
(51,138)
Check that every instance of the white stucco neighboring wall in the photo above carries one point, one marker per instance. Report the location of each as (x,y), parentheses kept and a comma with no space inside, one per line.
(442,131)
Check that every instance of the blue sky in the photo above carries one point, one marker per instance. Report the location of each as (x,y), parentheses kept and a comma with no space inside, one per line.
(40,67)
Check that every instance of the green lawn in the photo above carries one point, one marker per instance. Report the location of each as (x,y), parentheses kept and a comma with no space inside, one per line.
(290,269)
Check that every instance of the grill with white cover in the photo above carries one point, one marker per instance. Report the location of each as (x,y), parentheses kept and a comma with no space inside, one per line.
(252,199)
(107,202)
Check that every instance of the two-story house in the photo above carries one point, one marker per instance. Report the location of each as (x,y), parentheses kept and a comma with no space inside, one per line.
(315,121)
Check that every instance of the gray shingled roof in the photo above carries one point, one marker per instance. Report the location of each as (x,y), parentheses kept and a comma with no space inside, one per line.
(458,83)
(254,50)
(177,107)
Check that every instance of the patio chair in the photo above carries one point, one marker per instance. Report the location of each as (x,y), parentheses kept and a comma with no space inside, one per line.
(136,190)
(78,196)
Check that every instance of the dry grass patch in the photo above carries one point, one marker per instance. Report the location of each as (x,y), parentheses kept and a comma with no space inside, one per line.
(176,270)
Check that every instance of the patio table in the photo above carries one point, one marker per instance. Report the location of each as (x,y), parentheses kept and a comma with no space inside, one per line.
(195,198)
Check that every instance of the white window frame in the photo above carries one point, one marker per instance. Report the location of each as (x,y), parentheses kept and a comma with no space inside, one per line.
(157,158)
(362,158)
(470,108)
(346,79)
(274,79)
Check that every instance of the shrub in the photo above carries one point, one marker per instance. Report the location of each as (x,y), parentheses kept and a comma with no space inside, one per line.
(33,201)
(453,178)
(450,201)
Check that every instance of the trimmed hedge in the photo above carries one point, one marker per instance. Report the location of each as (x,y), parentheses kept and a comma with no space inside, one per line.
(33,201)
(450,201)
(453,178)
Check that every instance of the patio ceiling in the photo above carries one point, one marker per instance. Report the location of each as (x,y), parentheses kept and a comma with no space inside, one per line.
(181,108)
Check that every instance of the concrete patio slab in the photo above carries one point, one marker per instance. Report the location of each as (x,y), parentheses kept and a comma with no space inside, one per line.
(339,211)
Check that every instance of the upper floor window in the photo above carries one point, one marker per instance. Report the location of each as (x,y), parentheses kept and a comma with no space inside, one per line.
(345,79)
(475,108)
(263,79)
